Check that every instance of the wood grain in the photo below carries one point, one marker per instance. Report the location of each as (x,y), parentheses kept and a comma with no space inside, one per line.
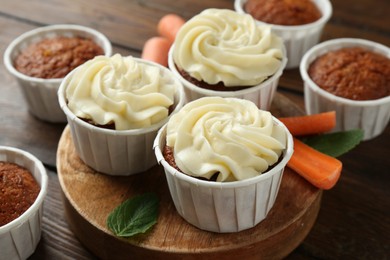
(89,197)
(353,221)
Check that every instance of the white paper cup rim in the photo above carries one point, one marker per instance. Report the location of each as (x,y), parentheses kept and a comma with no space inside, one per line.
(326,14)
(41,195)
(227,93)
(138,131)
(8,62)
(336,44)
(158,142)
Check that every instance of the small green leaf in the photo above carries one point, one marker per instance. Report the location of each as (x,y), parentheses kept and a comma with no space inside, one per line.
(134,216)
(335,144)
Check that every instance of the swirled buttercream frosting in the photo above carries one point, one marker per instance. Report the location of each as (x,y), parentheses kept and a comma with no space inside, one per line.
(220,45)
(230,137)
(120,90)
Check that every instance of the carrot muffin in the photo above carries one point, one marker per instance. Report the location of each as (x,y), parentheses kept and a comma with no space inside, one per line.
(120,93)
(220,49)
(223,139)
(18,191)
(229,157)
(55,57)
(353,73)
(283,12)
(131,96)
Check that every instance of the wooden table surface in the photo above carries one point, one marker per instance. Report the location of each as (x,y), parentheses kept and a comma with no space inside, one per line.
(354,219)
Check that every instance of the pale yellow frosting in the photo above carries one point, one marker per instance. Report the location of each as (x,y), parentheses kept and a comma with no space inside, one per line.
(121,90)
(227,135)
(220,45)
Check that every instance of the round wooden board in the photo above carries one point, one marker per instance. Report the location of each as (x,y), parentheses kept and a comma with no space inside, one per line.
(89,197)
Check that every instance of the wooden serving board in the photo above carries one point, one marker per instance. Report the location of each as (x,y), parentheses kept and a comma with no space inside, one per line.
(89,197)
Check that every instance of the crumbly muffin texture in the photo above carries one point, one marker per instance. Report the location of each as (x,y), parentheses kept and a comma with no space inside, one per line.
(18,191)
(283,12)
(56,57)
(353,73)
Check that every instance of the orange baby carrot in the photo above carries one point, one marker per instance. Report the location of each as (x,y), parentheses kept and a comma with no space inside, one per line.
(169,25)
(321,170)
(310,124)
(156,49)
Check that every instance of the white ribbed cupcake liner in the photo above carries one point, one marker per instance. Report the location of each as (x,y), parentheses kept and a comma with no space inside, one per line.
(298,38)
(372,116)
(41,94)
(223,207)
(20,237)
(262,94)
(114,152)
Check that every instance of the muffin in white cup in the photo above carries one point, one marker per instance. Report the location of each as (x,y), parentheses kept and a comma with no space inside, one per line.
(222,53)
(38,78)
(224,160)
(298,38)
(362,71)
(20,237)
(114,107)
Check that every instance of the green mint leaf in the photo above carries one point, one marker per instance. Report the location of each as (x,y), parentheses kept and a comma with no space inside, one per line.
(134,216)
(335,144)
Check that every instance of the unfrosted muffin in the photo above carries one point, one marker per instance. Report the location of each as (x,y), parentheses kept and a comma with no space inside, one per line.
(115,106)
(355,73)
(40,82)
(298,22)
(23,187)
(18,189)
(56,57)
(225,162)
(222,53)
(283,12)
(351,77)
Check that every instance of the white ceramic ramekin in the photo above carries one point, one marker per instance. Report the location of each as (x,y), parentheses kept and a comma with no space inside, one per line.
(262,94)
(223,207)
(116,152)
(20,237)
(372,116)
(298,38)
(41,94)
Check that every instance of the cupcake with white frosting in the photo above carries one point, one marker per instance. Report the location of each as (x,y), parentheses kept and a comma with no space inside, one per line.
(222,53)
(224,160)
(114,107)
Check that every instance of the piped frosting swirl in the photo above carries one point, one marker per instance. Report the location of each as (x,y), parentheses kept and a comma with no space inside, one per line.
(120,90)
(229,136)
(220,45)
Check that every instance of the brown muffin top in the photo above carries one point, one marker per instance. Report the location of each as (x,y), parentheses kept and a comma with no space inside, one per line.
(354,73)
(18,191)
(56,57)
(283,12)
(202,84)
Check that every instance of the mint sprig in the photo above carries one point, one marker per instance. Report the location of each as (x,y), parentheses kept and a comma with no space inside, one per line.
(134,216)
(335,144)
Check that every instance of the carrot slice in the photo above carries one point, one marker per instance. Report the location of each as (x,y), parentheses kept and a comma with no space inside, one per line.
(156,49)
(310,124)
(169,25)
(319,169)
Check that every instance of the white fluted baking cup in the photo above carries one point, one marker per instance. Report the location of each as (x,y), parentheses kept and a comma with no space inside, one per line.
(297,38)
(41,94)
(262,94)
(372,116)
(19,238)
(116,152)
(228,206)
